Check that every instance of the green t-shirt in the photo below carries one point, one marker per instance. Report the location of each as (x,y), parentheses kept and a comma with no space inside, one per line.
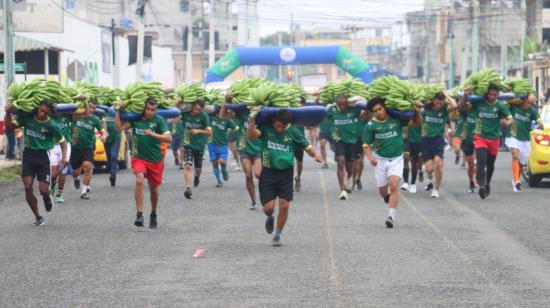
(84,132)
(40,135)
(488,118)
(113,134)
(66,124)
(414,134)
(277,149)
(177,129)
(147,147)
(468,126)
(385,137)
(197,121)
(325,127)
(361,123)
(521,127)
(220,128)
(433,122)
(245,145)
(459,125)
(344,123)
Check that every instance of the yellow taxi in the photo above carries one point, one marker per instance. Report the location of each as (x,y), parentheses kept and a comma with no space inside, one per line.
(539,160)
(100,156)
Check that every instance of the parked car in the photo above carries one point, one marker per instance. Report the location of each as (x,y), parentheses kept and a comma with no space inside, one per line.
(538,166)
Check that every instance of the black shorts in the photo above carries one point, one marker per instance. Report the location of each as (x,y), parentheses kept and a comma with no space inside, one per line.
(432,147)
(232,137)
(79,156)
(467,147)
(36,163)
(299,155)
(192,157)
(358,149)
(249,156)
(325,136)
(345,149)
(415,149)
(276,184)
(406,145)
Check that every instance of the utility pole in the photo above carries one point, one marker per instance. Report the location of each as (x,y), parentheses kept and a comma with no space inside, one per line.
(116,66)
(140,39)
(189,56)
(475,35)
(9,55)
(451,38)
(211,36)
(503,45)
(280,43)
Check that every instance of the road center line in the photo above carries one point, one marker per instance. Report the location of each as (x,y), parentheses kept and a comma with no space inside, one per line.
(334,276)
(465,258)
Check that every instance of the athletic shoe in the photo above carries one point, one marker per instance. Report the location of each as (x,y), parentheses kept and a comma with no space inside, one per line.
(359,184)
(325,166)
(139,221)
(297,184)
(39,221)
(405,187)
(153,221)
(176,161)
(53,189)
(48,203)
(447,147)
(518,186)
(238,168)
(253,206)
(85,196)
(112,179)
(457,160)
(269,224)
(463,165)
(181,167)
(387,199)
(421,176)
(343,195)
(389,222)
(435,193)
(482,193)
(76,183)
(220,184)
(412,189)
(348,184)
(59,199)
(276,240)
(487,189)
(196,181)
(225,176)
(188,193)
(472,188)
(429,186)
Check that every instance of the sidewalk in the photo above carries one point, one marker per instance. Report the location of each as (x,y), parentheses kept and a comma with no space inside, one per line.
(8,163)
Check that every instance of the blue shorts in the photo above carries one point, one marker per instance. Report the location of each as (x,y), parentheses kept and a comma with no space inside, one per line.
(432,147)
(217,152)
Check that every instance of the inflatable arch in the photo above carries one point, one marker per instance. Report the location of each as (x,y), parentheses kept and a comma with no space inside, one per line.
(286,56)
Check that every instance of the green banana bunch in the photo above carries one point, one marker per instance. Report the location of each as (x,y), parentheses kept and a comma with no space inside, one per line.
(241,89)
(27,96)
(326,95)
(380,87)
(430,91)
(399,94)
(136,94)
(191,93)
(215,97)
(481,81)
(519,86)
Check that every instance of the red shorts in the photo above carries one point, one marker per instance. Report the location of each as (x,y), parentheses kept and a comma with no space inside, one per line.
(152,171)
(491,145)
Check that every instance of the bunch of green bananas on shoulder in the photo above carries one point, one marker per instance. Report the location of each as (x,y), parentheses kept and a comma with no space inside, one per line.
(215,97)
(380,87)
(326,95)
(136,94)
(106,96)
(26,96)
(240,90)
(191,93)
(429,91)
(481,80)
(519,86)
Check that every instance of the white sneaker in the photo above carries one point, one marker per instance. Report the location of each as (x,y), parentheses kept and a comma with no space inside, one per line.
(435,193)
(412,189)
(343,195)
(405,187)
(349,183)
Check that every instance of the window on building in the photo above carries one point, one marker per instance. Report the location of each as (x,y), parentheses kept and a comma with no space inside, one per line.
(546,4)
(378,32)
(184,5)
(341,73)
(70,4)
(546,35)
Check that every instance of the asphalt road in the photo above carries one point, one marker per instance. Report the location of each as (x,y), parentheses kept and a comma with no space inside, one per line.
(454,251)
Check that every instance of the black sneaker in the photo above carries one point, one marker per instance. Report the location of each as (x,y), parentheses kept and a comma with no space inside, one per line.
(482,192)
(421,176)
(77,183)
(325,166)
(112,179)
(220,184)
(429,186)
(269,224)
(39,221)
(359,185)
(472,188)
(153,221)
(457,160)
(389,222)
(187,193)
(387,199)
(487,189)
(196,181)
(176,161)
(48,203)
(518,186)
(225,176)
(85,196)
(139,221)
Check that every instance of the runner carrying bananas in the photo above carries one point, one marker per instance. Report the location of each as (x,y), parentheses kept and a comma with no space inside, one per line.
(249,150)
(217,146)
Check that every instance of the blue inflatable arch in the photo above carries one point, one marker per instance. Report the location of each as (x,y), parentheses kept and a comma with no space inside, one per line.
(286,56)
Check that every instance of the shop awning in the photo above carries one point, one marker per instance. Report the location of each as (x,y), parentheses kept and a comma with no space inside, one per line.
(21,43)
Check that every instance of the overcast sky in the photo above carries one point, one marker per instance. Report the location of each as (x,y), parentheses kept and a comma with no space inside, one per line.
(275,14)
